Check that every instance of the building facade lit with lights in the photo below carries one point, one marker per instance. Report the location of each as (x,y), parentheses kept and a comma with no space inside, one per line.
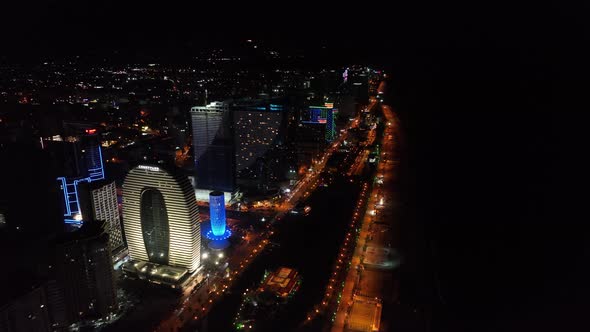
(257,129)
(321,115)
(98,201)
(161,218)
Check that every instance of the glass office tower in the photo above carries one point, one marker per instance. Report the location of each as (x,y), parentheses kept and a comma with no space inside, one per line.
(213,147)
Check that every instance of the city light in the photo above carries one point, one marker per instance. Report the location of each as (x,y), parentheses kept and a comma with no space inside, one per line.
(226,270)
(149,168)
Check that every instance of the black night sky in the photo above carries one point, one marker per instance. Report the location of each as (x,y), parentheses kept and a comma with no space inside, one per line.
(493,101)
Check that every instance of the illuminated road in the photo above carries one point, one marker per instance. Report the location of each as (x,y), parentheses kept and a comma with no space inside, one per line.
(385,168)
(299,238)
(327,306)
(195,306)
(359,164)
(310,181)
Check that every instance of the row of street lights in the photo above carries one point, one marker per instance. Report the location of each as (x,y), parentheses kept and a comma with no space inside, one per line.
(342,255)
(331,286)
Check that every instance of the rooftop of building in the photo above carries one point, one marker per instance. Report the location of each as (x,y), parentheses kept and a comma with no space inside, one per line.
(216,193)
(168,167)
(365,314)
(282,281)
(260,104)
(96,184)
(89,229)
(380,257)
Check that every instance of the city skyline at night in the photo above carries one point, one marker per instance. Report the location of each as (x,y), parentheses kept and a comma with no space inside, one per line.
(181,167)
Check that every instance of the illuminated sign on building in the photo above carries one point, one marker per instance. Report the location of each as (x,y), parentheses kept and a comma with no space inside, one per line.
(161,219)
(149,168)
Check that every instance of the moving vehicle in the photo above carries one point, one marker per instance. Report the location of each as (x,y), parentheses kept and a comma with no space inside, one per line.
(301,209)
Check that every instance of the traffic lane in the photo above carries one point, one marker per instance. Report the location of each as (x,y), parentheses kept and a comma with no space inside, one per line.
(210,296)
(198,303)
(353,277)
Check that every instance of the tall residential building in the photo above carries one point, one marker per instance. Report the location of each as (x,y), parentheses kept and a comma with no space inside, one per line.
(161,218)
(79,159)
(257,129)
(213,147)
(358,80)
(83,283)
(98,201)
(24,310)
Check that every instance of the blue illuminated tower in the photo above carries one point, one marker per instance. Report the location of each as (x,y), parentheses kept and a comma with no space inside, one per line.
(218,231)
(217,212)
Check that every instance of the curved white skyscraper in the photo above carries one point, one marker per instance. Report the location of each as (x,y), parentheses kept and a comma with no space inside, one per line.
(161,218)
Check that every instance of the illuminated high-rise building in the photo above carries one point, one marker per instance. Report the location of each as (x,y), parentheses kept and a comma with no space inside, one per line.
(257,129)
(79,159)
(98,201)
(321,115)
(161,218)
(213,147)
(82,281)
(218,230)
